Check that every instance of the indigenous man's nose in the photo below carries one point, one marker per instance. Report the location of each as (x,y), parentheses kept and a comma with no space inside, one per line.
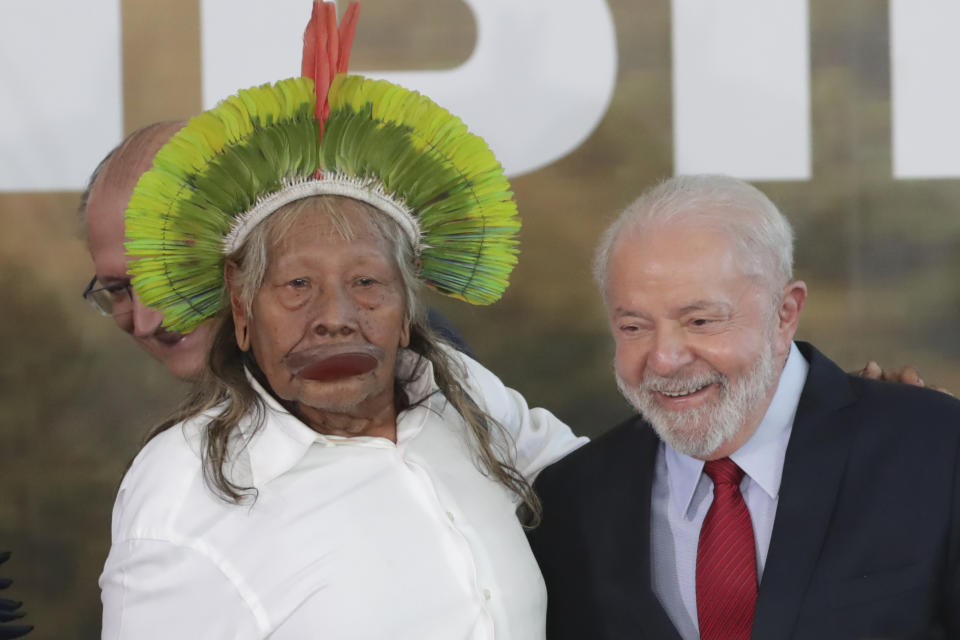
(333,313)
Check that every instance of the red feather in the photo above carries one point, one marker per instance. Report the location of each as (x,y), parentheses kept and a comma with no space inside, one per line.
(347,26)
(332,49)
(326,50)
(310,45)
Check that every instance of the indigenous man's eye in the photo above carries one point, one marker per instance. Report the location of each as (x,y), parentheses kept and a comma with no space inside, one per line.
(299,283)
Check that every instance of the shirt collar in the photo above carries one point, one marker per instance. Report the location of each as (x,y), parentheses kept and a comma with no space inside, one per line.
(280,442)
(760,457)
(284,439)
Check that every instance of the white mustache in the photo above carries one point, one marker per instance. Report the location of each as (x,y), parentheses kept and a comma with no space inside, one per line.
(682,385)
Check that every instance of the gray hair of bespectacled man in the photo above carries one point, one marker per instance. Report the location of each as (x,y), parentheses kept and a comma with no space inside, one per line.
(127,161)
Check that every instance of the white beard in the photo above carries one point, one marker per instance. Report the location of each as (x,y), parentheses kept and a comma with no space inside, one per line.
(698,432)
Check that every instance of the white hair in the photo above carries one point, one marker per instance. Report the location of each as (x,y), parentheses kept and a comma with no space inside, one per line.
(761,233)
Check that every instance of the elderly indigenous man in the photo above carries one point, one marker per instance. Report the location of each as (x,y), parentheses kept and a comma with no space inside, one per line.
(761,489)
(339,472)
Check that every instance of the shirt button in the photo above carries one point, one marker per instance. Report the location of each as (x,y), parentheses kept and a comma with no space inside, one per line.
(486,594)
(450,516)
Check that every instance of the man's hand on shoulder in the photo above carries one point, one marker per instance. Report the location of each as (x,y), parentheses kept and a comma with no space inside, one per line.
(904,375)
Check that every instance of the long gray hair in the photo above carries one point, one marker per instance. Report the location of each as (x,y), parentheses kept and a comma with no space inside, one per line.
(224,386)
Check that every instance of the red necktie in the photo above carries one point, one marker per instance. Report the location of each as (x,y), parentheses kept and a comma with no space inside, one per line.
(726,559)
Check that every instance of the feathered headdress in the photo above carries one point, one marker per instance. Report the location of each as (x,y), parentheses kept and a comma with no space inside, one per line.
(323,133)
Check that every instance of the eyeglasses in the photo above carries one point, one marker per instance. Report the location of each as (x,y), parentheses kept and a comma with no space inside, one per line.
(105,299)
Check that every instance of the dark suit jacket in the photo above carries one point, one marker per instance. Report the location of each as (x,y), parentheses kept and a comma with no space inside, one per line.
(865,539)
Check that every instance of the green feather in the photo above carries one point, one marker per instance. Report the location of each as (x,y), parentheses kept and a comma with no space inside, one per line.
(426,156)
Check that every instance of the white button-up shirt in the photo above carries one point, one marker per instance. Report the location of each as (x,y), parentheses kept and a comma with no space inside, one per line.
(682,495)
(348,537)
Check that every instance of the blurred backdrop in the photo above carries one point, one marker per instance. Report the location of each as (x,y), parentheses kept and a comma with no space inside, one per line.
(821,103)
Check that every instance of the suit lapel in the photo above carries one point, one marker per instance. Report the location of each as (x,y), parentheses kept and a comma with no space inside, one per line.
(812,472)
(634,573)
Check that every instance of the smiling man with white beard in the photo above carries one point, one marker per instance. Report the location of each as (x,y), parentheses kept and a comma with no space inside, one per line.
(702,321)
(761,491)
(699,431)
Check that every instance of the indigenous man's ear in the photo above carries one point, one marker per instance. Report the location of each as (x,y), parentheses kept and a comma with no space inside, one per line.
(792,299)
(405,335)
(236,307)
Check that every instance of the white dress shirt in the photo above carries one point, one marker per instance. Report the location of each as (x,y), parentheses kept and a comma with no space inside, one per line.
(682,494)
(352,538)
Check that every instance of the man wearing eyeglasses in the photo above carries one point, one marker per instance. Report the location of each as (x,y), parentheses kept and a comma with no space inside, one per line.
(101,210)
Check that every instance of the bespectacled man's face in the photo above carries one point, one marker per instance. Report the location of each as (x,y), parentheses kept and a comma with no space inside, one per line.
(184,355)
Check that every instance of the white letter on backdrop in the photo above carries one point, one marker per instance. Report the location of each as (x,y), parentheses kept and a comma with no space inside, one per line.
(62,108)
(536,85)
(741,88)
(925,99)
